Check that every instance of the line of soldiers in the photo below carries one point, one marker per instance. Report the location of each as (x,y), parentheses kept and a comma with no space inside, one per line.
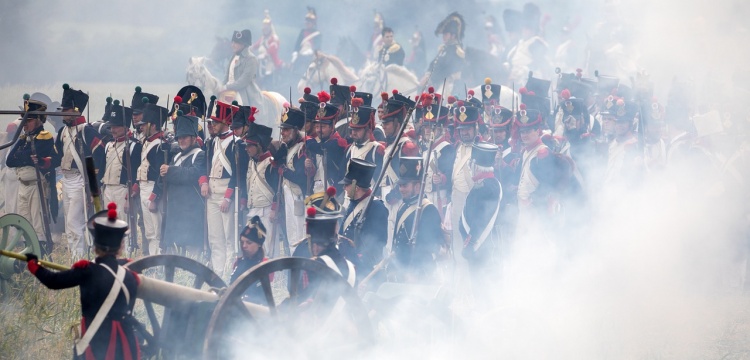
(461,176)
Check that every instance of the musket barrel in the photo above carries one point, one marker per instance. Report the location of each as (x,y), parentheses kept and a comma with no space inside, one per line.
(50,113)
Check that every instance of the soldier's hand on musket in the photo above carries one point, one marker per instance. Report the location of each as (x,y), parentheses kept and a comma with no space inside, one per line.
(134,190)
(225,205)
(153,206)
(126,206)
(163,170)
(437,179)
(204,190)
(34,159)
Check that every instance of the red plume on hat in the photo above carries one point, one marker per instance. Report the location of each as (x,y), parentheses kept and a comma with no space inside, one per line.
(308,90)
(178,99)
(324,96)
(523,91)
(384,96)
(334,81)
(565,94)
(253,111)
(112,211)
(352,88)
(357,102)
(311,212)
(394,91)
(451,99)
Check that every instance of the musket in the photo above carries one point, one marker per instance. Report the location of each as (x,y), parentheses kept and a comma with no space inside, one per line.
(129,170)
(23,121)
(236,175)
(165,199)
(42,199)
(361,220)
(206,246)
(78,141)
(47,264)
(420,208)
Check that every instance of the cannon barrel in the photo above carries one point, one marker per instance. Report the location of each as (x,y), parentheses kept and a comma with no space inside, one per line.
(172,295)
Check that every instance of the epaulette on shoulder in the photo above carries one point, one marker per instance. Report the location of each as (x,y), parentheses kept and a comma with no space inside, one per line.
(395,47)
(380,148)
(44,135)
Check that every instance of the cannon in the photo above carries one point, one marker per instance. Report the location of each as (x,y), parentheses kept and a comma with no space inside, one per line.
(205,317)
(186,311)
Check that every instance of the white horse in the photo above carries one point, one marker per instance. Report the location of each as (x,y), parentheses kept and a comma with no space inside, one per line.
(375,78)
(322,69)
(270,104)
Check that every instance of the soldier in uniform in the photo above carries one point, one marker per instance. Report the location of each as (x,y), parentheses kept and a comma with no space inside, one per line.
(394,114)
(223,178)
(578,141)
(308,42)
(432,117)
(106,327)
(466,118)
(480,218)
(123,159)
(450,58)
(624,163)
(152,158)
(138,105)
(243,68)
(361,124)
(535,194)
(184,179)
(390,52)
(328,147)
(364,246)
(291,158)
(76,141)
(262,178)
(267,48)
(35,151)
(414,258)
(253,236)
(191,101)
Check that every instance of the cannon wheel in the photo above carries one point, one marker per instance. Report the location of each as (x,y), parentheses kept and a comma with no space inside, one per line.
(154,264)
(18,236)
(230,308)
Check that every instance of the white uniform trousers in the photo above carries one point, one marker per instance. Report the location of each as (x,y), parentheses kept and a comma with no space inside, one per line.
(458,201)
(10,183)
(29,206)
(270,246)
(295,220)
(73,191)
(151,220)
(392,212)
(220,226)
(118,195)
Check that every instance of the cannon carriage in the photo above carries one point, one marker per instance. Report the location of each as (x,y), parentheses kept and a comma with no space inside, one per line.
(186,311)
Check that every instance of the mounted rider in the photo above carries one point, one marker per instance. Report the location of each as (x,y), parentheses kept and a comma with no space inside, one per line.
(390,52)
(450,58)
(242,71)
